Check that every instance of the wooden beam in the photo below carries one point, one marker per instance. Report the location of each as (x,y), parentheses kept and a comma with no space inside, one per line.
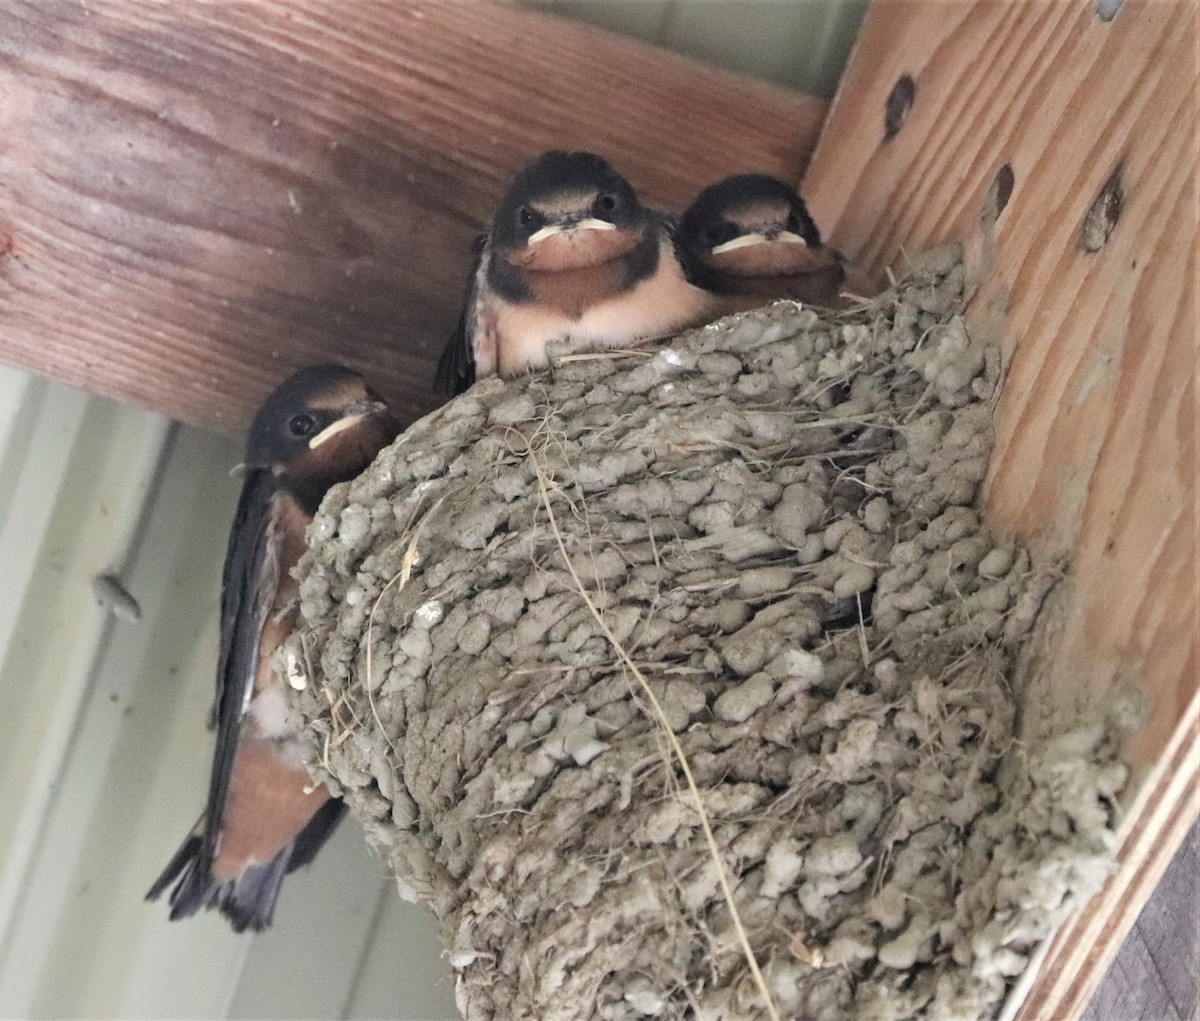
(197,198)
(1064,146)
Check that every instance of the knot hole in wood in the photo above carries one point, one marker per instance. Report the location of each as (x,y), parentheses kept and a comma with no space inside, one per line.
(998,194)
(1101,219)
(899,103)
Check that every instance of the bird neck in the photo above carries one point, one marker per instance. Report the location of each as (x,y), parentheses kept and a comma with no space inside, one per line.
(308,492)
(586,285)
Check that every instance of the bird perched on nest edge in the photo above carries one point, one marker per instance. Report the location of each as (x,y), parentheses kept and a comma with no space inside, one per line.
(571,253)
(749,240)
(264,816)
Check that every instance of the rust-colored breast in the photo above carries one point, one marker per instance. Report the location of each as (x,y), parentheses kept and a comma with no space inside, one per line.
(268,804)
(775,259)
(656,306)
(573,291)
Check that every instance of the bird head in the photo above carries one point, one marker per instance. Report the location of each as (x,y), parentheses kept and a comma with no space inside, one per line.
(322,425)
(751,225)
(567,210)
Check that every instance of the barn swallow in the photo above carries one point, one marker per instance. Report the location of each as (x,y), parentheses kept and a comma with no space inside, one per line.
(264,817)
(571,254)
(749,240)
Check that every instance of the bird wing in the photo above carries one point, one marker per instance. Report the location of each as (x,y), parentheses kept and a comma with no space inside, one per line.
(668,225)
(456,368)
(249,583)
(248,587)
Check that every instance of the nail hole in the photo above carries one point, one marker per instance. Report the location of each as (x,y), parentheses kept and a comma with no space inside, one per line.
(1101,219)
(899,102)
(998,194)
(1106,10)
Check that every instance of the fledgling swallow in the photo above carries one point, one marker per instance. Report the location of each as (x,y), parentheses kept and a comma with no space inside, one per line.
(572,254)
(264,817)
(749,240)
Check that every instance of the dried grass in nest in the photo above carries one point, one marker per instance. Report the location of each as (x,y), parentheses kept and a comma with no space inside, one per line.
(663,667)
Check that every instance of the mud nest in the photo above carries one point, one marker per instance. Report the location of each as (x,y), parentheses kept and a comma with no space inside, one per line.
(774,516)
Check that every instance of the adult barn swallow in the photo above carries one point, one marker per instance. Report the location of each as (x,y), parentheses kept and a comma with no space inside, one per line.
(264,816)
(571,253)
(749,240)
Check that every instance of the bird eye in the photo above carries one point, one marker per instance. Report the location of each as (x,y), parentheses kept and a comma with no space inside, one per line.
(711,236)
(606,203)
(301,425)
(526,216)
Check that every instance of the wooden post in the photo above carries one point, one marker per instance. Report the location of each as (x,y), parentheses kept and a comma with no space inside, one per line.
(1064,145)
(197,198)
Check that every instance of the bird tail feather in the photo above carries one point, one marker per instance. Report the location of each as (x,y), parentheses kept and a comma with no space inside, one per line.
(247,900)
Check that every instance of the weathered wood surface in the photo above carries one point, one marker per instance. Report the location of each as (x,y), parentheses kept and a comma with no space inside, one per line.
(1155,976)
(1096,459)
(196,198)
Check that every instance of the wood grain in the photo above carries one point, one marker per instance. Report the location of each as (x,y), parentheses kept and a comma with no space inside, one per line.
(1166,806)
(197,198)
(1096,455)
(1155,972)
